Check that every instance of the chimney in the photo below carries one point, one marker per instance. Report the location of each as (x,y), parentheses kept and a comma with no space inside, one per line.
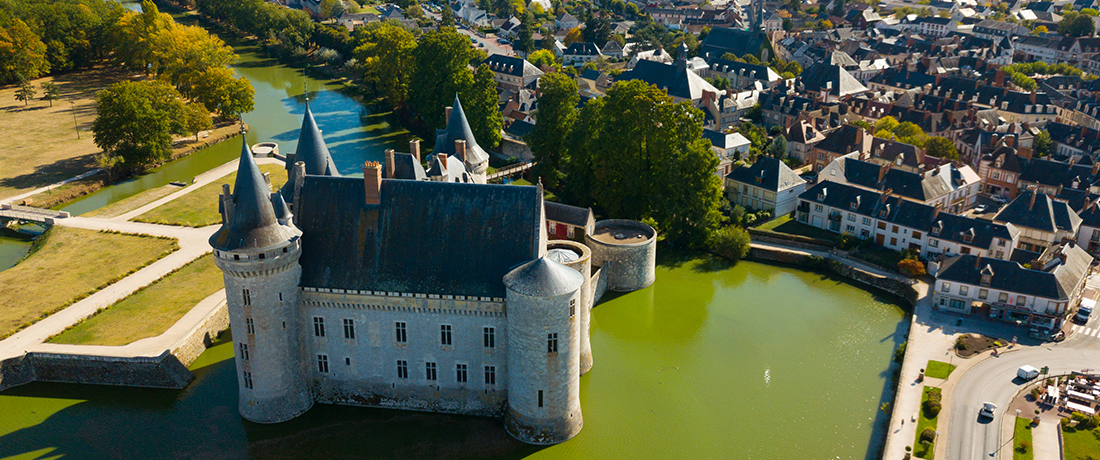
(999,78)
(1033,96)
(389,164)
(372,181)
(882,171)
(460,149)
(935,212)
(442,159)
(978,261)
(1034,193)
(447,114)
(1010,141)
(414,149)
(1095,168)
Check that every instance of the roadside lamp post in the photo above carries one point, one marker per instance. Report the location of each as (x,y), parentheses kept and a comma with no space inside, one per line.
(76,126)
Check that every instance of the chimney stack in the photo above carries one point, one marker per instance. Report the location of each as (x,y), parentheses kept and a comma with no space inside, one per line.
(460,149)
(978,261)
(999,78)
(442,159)
(389,164)
(372,181)
(882,170)
(1033,96)
(414,149)
(447,114)
(1034,193)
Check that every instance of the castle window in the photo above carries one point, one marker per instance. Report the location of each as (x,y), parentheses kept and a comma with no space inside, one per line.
(262,256)
(322,364)
(429,371)
(540,398)
(280,296)
(243,347)
(247,297)
(318,326)
(402,332)
(349,328)
(490,337)
(402,369)
(552,343)
(572,307)
(249,327)
(248,380)
(569,231)
(347,361)
(490,375)
(460,373)
(445,334)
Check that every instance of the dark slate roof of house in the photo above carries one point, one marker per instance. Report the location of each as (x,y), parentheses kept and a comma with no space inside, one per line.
(773,175)
(1010,161)
(722,40)
(510,65)
(870,203)
(406,167)
(900,78)
(424,237)
(675,79)
(952,227)
(520,128)
(889,150)
(567,214)
(820,76)
(866,174)
(252,224)
(1046,214)
(458,128)
(582,49)
(1090,216)
(1056,173)
(1007,276)
(841,140)
(543,277)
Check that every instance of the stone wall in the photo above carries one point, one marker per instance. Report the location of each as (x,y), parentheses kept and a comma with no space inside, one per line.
(887,284)
(629,266)
(202,336)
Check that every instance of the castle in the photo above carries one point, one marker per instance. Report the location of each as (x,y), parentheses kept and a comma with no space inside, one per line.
(413,288)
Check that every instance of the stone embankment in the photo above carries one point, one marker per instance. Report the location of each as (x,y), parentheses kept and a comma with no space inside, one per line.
(847,268)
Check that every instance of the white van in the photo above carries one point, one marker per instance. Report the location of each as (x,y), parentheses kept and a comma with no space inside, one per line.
(1027,372)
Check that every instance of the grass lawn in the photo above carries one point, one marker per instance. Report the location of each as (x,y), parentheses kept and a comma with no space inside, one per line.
(879,255)
(785,224)
(200,207)
(938,370)
(1081,444)
(68,264)
(925,422)
(150,311)
(1022,449)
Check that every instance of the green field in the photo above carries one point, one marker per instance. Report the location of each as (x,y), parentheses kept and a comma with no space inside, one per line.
(785,224)
(1022,437)
(151,310)
(1081,444)
(68,264)
(925,422)
(938,370)
(200,207)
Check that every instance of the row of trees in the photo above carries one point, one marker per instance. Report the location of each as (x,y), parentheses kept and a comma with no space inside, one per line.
(633,154)
(136,122)
(42,36)
(424,74)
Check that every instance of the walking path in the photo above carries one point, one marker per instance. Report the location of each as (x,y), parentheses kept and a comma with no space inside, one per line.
(200,180)
(1044,438)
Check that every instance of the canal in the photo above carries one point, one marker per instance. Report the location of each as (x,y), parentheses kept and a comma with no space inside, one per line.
(748,361)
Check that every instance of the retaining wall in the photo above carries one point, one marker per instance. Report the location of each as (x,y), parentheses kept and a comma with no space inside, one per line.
(890,285)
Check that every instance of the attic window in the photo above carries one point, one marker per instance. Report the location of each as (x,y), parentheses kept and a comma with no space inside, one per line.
(853,206)
(986,279)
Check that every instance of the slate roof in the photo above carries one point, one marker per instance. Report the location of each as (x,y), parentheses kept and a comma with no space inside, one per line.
(722,40)
(252,224)
(1056,173)
(1058,283)
(1090,216)
(458,128)
(819,76)
(406,167)
(582,49)
(774,175)
(1046,214)
(567,214)
(870,203)
(424,237)
(841,140)
(514,66)
(312,151)
(723,140)
(952,227)
(543,277)
(677,80)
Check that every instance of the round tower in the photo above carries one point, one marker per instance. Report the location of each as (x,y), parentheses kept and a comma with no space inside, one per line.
(257,249)
(578,257)
(544,404)
(627,251)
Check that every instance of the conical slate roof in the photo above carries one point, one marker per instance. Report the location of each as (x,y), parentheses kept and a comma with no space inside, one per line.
(543,277)
(252,224)
(459,128)
(312,149)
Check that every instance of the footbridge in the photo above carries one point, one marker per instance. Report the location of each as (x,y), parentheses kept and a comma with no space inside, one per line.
(16,213)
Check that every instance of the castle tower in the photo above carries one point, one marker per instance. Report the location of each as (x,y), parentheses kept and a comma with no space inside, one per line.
(257,248)
(312,151)
(544,304)
(473,156)
(578,257)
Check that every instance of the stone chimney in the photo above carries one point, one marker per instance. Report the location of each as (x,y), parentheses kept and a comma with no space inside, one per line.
(460,149)
(414,149)
(447,113)
(1095,168)
(978,261)
(999,78)
(372,181)
(882,170)
(442,160)
(1033,96)
(389,164)
(1034,193)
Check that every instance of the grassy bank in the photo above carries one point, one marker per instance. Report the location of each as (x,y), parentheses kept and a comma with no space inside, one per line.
(939,370)
(1081,444)
(68,264)
(200,207)
(1022,448)
(926,422)
(151,310)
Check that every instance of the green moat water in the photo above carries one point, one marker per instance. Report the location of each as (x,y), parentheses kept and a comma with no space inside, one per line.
(748,361)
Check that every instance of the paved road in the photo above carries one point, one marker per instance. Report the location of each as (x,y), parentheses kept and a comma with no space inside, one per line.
(994,380)
(491,46)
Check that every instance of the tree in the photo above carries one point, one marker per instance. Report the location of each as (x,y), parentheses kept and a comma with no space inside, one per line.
(136,121)
(573,36)
(135,32)
(220,92)
(637,155)
(886,123)
(730,242)
(524,42)
(543,58)
(778,148)
(196,118)
(548,139)
(386,55)
(597,30)
(441,70)
(25,93)
(941,147)
(22,53)
(1043,144)
(448,19)
(50,92)
(479,100)
(1039,30)
(1076,25)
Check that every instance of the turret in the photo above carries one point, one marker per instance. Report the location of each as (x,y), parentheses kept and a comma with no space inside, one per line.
(312,152)
(578,257)
(544,303)
(475,159)
(257,248)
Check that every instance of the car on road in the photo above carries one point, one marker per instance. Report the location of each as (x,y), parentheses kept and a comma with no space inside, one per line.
(980,208)
(987,410)
(999,199)
(1027,372)
(1083,313)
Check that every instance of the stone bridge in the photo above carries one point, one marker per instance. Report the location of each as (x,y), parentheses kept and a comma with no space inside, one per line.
(16,213)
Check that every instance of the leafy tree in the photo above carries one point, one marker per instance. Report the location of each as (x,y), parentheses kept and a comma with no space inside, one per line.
(25,93)
(524,42)
(386,56)
(136,49)
(50,92)
(22,53)
(479,100)
(730,242)
(220,92)
(1043,144)
(1039,30)
(556,114)
(573,36)
(136,121)
(182,53)
(1076,25)
(778,148)
(440,71)
(543,58)
(941,147)
(196,118)
(414,11)
(597,30)
(886,123)
(448,19)
(637,155)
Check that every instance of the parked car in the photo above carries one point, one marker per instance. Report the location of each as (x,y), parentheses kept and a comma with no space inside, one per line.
(1027,372)
(1083,313)
(987,410)
(980,208)
(999,199)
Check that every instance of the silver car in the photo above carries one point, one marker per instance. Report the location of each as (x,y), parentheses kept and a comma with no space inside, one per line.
(987,410)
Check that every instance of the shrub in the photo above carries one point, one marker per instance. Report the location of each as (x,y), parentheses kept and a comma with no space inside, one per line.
(928,435)
(730,242)
(1024,447)
(911,267)
(931,410)
(846,241)
(1035,395)
(960,343)
(926,446)
(899,352)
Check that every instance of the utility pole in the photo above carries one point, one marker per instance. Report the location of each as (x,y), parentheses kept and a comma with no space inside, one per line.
(76,126)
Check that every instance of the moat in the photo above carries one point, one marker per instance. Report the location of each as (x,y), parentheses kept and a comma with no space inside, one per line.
(712,361)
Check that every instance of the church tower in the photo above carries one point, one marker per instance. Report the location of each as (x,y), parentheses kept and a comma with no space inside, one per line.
(257,248)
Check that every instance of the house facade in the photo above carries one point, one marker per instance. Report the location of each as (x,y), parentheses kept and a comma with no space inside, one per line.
(766,185)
